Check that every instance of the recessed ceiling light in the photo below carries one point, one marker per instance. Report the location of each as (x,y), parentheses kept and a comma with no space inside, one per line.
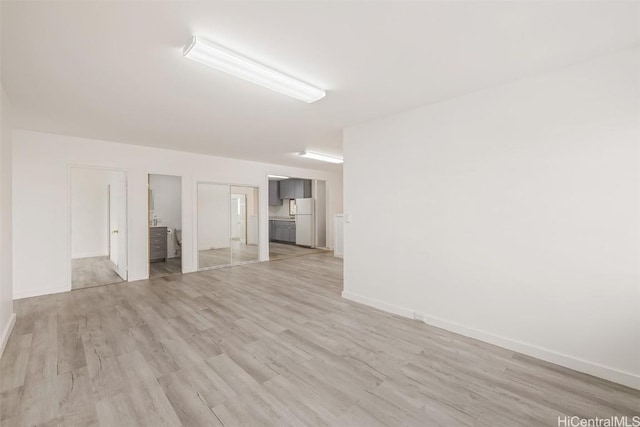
(226,60)
(278,176)
(322,157)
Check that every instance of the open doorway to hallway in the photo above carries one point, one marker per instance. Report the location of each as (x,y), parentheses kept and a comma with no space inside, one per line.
(98,227)
(165,225)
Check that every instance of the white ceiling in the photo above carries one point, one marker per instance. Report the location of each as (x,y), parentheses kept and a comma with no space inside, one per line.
(115,70)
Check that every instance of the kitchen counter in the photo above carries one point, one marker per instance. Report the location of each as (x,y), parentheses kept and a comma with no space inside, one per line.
(281,218)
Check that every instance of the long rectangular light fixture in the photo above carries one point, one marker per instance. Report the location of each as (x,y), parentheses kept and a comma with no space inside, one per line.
(321,157)
(277,176)
(223,59)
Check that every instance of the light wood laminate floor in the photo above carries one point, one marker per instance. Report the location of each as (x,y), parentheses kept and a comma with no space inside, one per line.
(269,344)
(284,250)
(93,271)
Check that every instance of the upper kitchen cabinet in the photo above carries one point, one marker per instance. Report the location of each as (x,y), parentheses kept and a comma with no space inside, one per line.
(274,194)
(295,188)
(287,189)
(302,188)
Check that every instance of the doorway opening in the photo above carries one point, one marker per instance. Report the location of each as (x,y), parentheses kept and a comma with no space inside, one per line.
(297,216)
(165,225)
(98,227)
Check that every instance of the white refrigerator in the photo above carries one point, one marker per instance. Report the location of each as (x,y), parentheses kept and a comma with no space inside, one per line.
(305,222)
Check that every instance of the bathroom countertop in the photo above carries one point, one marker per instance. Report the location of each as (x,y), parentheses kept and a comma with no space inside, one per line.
(281,218)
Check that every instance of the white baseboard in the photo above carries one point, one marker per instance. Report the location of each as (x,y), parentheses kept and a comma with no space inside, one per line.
(80,255)
(390,308)
(7,333)
(37,292)
(625,378)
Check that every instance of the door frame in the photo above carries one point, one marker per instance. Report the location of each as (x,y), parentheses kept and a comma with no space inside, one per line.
(70,168)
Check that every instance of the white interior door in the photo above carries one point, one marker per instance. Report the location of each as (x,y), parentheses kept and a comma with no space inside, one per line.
(239,217)
(118,223)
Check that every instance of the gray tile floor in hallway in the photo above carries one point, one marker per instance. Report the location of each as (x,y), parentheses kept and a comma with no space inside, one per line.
(269,344)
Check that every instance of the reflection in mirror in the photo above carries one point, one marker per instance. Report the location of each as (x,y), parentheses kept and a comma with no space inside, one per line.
(213,225)
(244,224)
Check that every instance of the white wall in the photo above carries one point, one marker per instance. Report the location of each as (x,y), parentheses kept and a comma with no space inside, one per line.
(510,215)
(89,213)
(41,184)
(7,317)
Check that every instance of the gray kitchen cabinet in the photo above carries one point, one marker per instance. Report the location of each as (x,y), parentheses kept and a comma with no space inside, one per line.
(302,188)
(283,231)
(157,244)
(292,233)
(274,194)
(272,230)
(287,189)
(295,188)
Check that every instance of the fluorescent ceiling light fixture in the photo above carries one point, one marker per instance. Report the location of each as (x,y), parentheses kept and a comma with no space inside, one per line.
(278,176)
(322,157)
(223,59)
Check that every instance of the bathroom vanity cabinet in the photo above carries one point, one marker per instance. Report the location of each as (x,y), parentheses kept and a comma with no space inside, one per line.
(157,244)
